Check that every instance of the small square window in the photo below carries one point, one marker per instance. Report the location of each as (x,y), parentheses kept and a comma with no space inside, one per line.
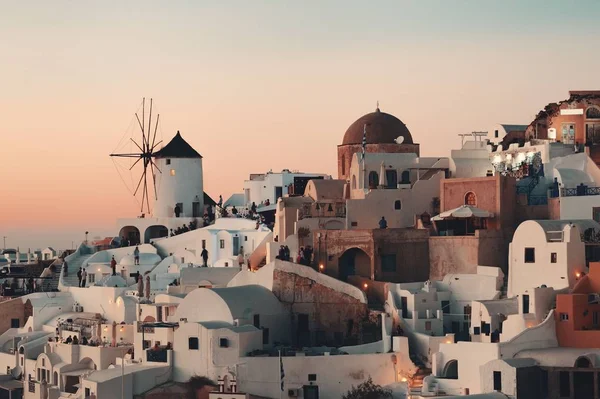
(14,323)
(553,257)
(476,330)
(168,162)
(172,172)
(564,317)
(245,238)
(193,343)
(427,326)
(529,255)
(495,134)
(222,244)
(354,224)
(223,343)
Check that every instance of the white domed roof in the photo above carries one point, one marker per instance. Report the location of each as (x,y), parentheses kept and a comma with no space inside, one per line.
(145,259)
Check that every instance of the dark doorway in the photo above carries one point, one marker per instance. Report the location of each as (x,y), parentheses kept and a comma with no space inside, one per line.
(391,177)
(404,307)
(303,332)
(354,262)
(497,381)
(256,321)
(583,384)
(278,193)
(236,245)
(525,304)
(311,392)
(451,370)
(196,209)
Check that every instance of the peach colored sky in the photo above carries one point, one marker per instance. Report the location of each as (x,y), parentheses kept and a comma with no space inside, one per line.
(255,86)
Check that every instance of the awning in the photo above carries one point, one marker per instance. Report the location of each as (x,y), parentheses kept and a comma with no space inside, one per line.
(463,212)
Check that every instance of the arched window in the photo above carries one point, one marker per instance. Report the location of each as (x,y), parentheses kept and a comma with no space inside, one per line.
(343,165)
(405,177)
(391,177)
(353,182)
(397,205)
(470,199)
(373,179)
(592,113)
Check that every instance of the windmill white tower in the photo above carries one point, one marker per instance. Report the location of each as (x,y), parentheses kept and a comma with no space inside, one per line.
(180,183)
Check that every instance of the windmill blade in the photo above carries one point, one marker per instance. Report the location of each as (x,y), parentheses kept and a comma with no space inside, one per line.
(147,196)
(143,134)
(143,193)
(156,146)
(144,121)
(126,155)
(140,182)
(155,165)
(155,127)
(136,144)
(149,125)
(154,181)
(135,163)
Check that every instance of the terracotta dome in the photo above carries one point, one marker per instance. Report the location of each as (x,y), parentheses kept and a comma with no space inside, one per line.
(381,128)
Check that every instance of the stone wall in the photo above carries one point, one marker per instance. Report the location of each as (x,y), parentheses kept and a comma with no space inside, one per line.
(462,254)
(11,309)
(409,246)
(334,316)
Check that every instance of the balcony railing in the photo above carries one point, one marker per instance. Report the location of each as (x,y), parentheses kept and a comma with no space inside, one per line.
(580,191)
(323,210)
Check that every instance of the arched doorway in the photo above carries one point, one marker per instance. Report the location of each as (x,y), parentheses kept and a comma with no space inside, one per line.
(27,310)
(583,362)
(451,370)
(156,231)
(131,234)
(354,262)
(583,379)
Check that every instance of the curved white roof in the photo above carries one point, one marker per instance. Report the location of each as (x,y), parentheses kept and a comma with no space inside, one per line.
(113,281)
(228,304)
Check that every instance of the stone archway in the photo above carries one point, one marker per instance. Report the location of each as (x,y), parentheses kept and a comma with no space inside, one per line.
(451,370)
(155,231)
(354,262)
(131,234)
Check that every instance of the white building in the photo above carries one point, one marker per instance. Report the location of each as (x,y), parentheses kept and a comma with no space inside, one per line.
(49,253)
(432,313)
(224,240)
(270,186)
(498,132)
(179,185)
(547,252)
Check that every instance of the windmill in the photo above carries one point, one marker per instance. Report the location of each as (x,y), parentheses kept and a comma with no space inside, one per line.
(145,155)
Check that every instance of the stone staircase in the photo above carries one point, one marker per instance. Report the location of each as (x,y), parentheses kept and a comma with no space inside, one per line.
(417,378)
(71,279)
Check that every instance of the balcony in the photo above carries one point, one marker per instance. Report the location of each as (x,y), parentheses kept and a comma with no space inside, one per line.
(579,191)
(323,210)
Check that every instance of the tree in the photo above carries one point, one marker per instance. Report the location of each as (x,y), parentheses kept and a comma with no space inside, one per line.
(368,390)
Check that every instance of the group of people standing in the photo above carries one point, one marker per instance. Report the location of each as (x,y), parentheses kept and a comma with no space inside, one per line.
(82,277)
(304,257)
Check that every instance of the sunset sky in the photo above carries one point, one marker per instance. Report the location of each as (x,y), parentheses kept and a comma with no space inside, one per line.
(257,85)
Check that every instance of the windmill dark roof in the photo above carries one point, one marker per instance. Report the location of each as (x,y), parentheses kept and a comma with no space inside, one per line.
(208,200)
(177,148)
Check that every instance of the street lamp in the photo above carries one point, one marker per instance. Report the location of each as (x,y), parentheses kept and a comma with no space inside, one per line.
(86,240)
